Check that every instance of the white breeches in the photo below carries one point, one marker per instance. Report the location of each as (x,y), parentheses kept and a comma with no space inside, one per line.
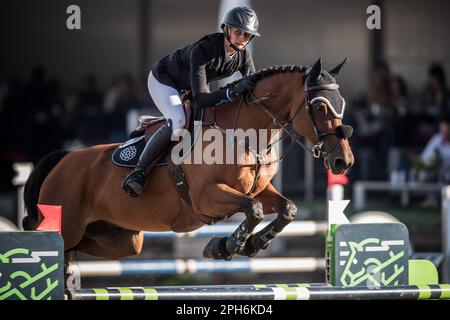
(168,101)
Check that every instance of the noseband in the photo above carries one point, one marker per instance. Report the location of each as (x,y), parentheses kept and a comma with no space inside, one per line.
(317,150)
(342,131)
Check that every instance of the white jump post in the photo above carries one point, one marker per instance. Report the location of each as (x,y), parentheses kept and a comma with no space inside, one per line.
(335,200)
(23,171)
(336,185)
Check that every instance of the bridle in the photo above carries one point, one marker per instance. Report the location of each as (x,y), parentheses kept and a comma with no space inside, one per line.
(318,149)
(342,131)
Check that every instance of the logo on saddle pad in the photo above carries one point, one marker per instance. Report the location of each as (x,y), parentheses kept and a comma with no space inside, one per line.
(127,154)
(128,151)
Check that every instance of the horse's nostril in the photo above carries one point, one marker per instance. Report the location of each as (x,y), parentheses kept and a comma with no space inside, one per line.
(339,164)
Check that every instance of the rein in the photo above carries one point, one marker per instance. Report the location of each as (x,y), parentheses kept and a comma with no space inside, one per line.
(317,150)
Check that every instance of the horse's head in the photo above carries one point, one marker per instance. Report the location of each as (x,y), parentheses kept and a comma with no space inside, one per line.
(320,118)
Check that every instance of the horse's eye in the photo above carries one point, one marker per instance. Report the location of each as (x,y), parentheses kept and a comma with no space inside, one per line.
(318,108)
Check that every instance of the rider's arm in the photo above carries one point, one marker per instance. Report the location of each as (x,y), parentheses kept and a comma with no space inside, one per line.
(203,98)
(248,67)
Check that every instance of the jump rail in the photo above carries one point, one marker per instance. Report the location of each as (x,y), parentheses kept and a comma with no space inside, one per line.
(263,292)
(294,229)
(179,266)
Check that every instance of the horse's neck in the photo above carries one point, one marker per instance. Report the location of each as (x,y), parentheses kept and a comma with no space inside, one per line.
(253,117)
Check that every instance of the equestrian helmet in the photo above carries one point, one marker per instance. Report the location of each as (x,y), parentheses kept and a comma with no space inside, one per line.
(242,18)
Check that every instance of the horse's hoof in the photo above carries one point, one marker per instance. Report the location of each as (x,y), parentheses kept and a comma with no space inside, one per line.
(215,249)
(250,249)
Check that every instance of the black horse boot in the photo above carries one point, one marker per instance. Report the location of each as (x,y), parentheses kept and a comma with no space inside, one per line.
(135,181)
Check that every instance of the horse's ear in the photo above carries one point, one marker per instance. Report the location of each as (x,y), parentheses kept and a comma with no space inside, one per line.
(315,71)
(336,69)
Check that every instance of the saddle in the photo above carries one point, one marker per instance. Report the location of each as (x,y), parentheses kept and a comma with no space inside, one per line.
(127,154)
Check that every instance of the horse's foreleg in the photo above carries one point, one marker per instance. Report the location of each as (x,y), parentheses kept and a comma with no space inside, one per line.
(221,200)
(272,201)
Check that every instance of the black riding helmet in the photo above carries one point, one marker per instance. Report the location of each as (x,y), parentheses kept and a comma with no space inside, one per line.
(242,18)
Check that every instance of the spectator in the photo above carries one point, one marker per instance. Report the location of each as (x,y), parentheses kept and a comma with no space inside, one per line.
(120,99)
(434,104)
(437,149)
(399,92)
(89,113)
(401,112)
(90,96)
(434,163)
(436,98)
(375,120)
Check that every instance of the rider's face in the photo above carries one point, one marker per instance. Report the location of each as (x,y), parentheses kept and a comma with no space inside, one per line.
(239,38)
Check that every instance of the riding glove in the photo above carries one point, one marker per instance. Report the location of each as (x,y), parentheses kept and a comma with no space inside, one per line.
(240,87)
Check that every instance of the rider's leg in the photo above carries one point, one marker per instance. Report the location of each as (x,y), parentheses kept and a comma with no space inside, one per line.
(169,103)
(135,181)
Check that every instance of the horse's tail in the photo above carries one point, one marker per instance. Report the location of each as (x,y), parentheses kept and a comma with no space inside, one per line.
(33,186)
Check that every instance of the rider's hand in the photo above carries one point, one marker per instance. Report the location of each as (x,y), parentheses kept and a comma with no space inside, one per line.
(240,87)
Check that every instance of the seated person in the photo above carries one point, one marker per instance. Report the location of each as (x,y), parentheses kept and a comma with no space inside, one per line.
(437,150)
(435,160)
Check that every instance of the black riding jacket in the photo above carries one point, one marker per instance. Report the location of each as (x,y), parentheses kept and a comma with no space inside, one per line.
(194,66)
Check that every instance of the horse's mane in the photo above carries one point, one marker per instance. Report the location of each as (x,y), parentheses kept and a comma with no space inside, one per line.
(267,72)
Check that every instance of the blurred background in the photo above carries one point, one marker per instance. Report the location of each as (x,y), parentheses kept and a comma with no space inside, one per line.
(62,88)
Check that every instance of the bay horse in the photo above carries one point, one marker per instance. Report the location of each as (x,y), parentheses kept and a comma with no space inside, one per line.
(100,219)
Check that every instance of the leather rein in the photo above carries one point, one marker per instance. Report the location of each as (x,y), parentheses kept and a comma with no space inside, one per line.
(317,150)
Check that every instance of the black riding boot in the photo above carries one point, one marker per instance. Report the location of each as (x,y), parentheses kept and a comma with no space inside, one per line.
(135,181)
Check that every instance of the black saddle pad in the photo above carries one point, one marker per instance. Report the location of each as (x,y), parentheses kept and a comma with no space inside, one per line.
(127,154)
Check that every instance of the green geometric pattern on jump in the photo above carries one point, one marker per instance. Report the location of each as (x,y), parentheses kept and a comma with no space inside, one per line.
(367,255)
(364,261)
(31,266)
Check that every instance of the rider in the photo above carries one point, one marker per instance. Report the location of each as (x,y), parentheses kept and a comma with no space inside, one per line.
(193,67)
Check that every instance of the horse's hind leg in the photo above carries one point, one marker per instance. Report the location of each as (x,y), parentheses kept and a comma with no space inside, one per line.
(221,200)
(272,201)
(108,241)
(102,240)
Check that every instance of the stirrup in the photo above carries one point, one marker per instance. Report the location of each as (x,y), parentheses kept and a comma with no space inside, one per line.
(133,178)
